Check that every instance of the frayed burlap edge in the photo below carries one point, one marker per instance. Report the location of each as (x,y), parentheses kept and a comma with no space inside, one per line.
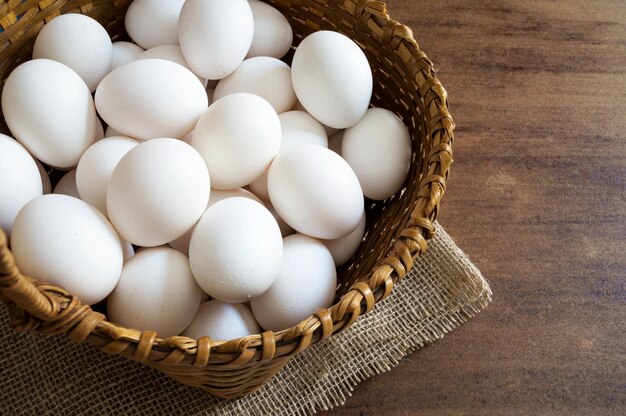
(53,375)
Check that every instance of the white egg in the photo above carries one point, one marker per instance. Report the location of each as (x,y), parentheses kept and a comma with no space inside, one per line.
(236,250)
(259,186)
(182,243)
(151,200)
(314,190)
(332,78)
(79,42)
(128,250)
(306,282)
(266,77)
(330,130)
(99,130)
(156,292)
(285,229)
(238,136)
(111,132)
(124,52)
(20,180)
(170,53)
(334,142)
(49,109)
(297,127)
(64,241)
(378,149)
(344,248)
(217,195)
(152,23)
(205,297)
(222,321)
(273,35)
(212,83)
(215,35)
(151,98)
(67,185)
(45,178)
(298,106)
(95,168)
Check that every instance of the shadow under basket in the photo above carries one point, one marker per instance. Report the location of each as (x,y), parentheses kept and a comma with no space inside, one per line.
(397,228)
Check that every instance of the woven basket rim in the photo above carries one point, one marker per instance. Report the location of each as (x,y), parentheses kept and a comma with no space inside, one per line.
(41,302)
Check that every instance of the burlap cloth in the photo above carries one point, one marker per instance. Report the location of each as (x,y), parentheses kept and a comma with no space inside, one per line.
(52,375)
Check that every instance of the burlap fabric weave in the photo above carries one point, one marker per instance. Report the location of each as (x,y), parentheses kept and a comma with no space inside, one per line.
(41,375)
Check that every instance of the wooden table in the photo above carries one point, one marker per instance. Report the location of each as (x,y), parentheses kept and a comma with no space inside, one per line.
(537,199)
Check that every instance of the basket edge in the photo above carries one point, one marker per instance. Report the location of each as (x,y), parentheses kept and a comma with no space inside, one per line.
(50,304)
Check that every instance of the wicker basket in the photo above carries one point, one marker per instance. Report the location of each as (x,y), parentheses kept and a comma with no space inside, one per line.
(397,229)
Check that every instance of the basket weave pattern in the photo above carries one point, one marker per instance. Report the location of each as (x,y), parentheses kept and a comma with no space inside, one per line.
(397,229)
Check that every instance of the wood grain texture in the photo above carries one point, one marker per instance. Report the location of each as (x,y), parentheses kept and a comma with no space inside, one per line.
(537,199)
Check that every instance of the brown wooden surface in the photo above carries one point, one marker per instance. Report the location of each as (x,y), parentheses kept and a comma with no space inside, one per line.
(537,199)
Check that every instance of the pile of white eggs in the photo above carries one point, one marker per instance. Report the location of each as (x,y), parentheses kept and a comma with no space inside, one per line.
(215,165)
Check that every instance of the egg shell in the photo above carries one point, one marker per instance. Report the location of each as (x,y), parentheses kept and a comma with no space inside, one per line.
(315,191)
(217,195)
(64,241)
(151,98)
(124,52)
(266,77)
(182,243)
(378,149)
(156,292)
(222,321)
(330,130)
(238,136)
(342,249)
(307,281)
(236,250)
(99,130)
(150,199)
(332,78)
(215,35)
(285,229)
(96,166)
(111,132)
(128,250)
(273,35)
(20,180)
(170,53)
(259,186)
(298,106)
(334,142)
(152,23)
(297,127)
(45,178)
(211,83)
(78,41)
(49,109)
(67,185)
(187,138)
